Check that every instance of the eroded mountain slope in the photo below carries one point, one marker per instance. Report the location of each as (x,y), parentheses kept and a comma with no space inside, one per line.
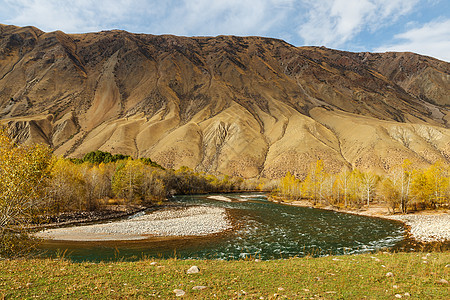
(241,106)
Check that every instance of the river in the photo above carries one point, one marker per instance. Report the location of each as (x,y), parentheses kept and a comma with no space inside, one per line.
(263,230)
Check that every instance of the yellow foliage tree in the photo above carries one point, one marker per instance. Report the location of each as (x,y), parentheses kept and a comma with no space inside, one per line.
(128,180)
(290,187)
(23,174)
(67,186)
(428,186)
(313,184)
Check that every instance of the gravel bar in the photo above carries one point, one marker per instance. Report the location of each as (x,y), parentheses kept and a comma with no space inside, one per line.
(427,228)
(190,221)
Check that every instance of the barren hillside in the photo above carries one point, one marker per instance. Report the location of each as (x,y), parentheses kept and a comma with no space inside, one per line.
(245,106)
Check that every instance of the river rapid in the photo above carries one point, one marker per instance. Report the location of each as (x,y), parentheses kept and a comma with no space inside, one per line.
(261,229)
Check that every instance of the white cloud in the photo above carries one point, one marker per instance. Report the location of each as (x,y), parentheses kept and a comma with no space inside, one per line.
(431,39)
(76,15)
(185,17)
(206,17)
(335,22)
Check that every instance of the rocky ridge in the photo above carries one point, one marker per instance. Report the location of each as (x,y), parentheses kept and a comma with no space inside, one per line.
(247,106)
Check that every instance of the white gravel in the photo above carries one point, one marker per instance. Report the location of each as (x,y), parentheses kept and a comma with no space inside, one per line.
(427,228)
(191,221)
(220,198)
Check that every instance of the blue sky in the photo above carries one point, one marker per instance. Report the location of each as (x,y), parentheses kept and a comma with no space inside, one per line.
(421,26)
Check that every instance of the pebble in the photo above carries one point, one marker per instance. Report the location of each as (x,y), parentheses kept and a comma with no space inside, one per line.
(179,292)
(199,287)
(389,274)
(427,228)
(398,296)
(442,281)
(190,221)
(193,270)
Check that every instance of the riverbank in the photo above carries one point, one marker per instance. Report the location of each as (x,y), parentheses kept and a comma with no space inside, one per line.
(427,226)
(187,221)
(373,276)
(106,213)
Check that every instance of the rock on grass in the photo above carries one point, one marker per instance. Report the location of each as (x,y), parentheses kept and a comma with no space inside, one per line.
(179,292)
(193,270)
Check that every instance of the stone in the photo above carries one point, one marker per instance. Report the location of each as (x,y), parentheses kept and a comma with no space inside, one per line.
(281,289)
(398,296)
(193,270)
(407,294)
(153,263)
(179,293)
(442,281)
(199,287)
(389,274)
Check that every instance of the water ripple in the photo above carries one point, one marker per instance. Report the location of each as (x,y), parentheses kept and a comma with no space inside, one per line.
(268,231)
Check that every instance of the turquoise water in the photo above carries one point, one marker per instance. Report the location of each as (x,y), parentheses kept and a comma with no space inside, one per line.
(264,230)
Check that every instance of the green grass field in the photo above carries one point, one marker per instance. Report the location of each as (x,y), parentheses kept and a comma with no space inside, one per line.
(415,276)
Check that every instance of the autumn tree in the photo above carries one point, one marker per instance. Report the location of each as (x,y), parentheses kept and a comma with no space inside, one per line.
(402,178)
(314,181)
(368,183)
(290,187)
(128,180)
(390,192)
(24,171)
(439,181)
(429,186)
(67,187)
(343,183)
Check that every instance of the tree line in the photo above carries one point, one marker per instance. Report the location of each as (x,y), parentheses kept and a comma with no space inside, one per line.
(34,182)
(87,186)
(403,188)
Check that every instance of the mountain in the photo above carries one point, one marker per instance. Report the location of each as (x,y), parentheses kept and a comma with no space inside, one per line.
(247,106)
